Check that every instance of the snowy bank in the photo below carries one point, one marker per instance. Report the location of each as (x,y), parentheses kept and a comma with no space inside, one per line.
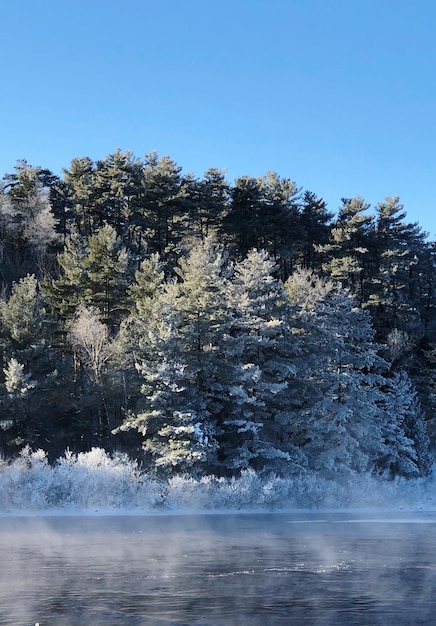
(96,480)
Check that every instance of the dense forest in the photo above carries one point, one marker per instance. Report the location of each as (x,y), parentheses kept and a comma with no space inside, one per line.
(207,328)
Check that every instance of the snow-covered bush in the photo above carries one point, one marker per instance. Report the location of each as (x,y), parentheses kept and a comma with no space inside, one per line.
(86,480)
(97,481)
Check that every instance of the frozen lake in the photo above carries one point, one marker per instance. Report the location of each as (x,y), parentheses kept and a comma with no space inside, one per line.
(257,569)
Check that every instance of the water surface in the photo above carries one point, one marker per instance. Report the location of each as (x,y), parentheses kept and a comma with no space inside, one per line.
(219,570)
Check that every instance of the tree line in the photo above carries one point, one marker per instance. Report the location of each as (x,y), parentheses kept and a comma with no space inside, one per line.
(209,327)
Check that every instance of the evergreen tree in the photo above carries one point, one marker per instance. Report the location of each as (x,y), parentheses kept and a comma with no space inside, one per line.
(305,289)
(243,223)
(398,282)
(23,314)
(15,426)
(404,430)
(281,234)
(214,202)
(26,344)
(162,204)
(257,432)
(344,423)
(132,345)
(94,271)
(182,375)
(264,215)
(107,269)
(28,223)
(79,180)
(344,429)
(117,192)
(206,204)
(148,279)
(347,258)
(62,206)
(315,225)
(66,290)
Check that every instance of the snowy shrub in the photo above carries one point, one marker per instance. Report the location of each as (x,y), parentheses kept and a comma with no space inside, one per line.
(26,481)
(86,480)
(95,480)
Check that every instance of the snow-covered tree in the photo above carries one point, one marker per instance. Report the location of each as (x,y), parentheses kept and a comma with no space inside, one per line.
(350,380)
(183,364)
(132,343)
(15,431)
(27,333)
(404,430)
(173,419)
(95,374)
(305,289)
(89,338)
(23,315)
(148,279)
(256,429)
(17,383)
(28,222)
(347,420)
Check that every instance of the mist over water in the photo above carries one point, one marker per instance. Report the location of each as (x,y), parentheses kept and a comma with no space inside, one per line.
(282,568)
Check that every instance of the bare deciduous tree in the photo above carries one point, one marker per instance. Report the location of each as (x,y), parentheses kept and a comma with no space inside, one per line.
(89,338)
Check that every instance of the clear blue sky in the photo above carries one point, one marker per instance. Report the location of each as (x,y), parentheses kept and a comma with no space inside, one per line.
(338,95)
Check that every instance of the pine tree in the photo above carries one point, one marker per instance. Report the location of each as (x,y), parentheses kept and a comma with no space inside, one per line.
(28,335)
(281,233)
(214,202)
(132,346)
(305,289)
(24,315)
(79,180)
(107,268)
(162,204)
(347,258)
(148,279)
(343,422)
(397,286)
(243,223)
(205,204)
(28,224)
(257,432)
(117,192)
(404,431)
(183,365)
(315,224)
(66,290)
(264,214)
(94,271)
(16,431)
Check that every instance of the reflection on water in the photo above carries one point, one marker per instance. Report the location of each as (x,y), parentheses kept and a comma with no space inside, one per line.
(218,570)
